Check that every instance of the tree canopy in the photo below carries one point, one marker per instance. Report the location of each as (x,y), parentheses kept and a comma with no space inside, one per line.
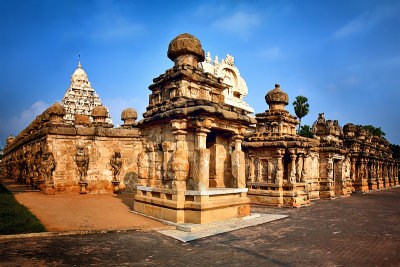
(377,131)
(305,131)
(301,107)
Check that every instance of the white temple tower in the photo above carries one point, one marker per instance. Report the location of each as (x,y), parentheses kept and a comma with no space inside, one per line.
(80,97)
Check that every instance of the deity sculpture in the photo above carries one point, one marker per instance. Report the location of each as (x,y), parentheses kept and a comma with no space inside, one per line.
(116,164)
(82,162)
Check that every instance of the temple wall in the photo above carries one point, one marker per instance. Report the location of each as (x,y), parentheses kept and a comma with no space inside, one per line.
(26,161)
(100,173)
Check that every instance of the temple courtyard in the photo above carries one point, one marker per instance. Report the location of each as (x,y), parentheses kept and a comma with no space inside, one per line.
(361,230)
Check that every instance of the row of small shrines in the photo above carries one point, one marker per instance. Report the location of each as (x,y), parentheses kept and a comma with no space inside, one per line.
(196,158)
(336,163)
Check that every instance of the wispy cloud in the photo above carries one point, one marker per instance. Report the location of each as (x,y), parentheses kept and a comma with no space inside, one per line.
(16,124)
(240,23)
(114,27)
(271,53)
(366,21)
(110,22)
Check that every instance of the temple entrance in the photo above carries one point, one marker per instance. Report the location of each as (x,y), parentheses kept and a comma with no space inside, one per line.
(218,142)
(338,176)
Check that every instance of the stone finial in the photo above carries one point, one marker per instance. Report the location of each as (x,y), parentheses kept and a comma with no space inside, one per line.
(99,111)
(129,116)
(81,119)
(215,62)
(208,58)
(185,49)
(277,99)
(56,113)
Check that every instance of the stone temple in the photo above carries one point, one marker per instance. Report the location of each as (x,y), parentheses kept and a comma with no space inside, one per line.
(197,156)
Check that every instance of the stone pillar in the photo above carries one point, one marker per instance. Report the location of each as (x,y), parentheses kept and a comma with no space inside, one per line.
(238,163)
(167,149)
(143,165)
(180,157)
(152,165)
(180,161)
(257,172)
(201,172)
(299,168)
(279,167)
(251,168)
(329,169)
(292,168)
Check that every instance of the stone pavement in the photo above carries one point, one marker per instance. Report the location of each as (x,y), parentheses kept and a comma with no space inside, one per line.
(362,230)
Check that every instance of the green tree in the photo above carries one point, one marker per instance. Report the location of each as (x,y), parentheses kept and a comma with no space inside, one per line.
(377,131)
(301,107)
(305,131)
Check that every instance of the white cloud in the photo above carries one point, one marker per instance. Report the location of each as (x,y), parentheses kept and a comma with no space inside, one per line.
(16,124)
(240,23)
(366,21)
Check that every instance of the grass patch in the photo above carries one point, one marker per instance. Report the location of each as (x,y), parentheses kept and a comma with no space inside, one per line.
(16,218)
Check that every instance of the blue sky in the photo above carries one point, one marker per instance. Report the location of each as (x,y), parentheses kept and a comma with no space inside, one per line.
(343,55)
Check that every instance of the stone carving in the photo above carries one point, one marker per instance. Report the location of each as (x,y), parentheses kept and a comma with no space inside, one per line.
(236,86)
(48,166)
(82,162)
(116,165)
(80,97)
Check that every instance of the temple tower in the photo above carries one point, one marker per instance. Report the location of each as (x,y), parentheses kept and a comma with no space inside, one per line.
(80,97)
(191,167)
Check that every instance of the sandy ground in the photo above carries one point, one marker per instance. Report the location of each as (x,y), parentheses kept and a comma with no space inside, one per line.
(80,212)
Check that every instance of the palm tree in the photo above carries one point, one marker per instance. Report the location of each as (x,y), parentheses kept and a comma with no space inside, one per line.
(301,107)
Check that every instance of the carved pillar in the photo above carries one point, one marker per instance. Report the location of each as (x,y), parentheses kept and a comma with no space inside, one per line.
(251,168)
(201,172)
(167,150)
(299,168)
(238,163)
(152,165)
(329,169)
(292,169)
(143,165)
(353,176)
(279,166)
(180,157)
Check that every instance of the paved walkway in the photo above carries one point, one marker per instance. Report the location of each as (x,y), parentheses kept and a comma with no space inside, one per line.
(80,212)
(362,230)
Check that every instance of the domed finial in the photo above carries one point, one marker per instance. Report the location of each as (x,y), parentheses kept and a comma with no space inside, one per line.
(276,98)
(185,49)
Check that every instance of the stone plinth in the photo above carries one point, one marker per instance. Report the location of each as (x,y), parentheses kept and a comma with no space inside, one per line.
(192,206)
